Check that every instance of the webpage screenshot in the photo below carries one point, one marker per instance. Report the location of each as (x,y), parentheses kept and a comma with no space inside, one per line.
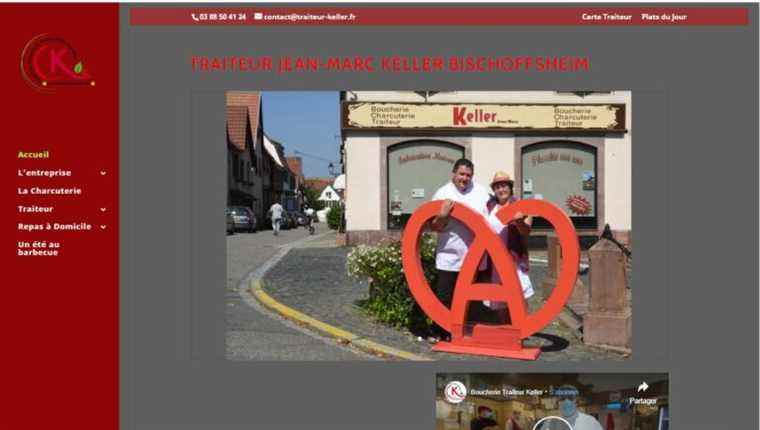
(380,216)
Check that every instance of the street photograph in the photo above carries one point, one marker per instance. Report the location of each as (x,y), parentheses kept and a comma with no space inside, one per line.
(428,225)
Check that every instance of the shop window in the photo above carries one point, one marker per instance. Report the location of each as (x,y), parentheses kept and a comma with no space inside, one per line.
(416,170)
(565,174)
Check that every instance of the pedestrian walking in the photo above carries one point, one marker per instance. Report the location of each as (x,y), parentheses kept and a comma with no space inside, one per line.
(276,213)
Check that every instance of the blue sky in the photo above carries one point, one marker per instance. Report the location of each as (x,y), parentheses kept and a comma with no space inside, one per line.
(306,121)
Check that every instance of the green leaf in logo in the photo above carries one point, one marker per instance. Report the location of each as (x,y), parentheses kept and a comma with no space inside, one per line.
(78,68)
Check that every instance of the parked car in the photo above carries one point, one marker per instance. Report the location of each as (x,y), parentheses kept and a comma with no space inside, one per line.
(230,221)
(245,219)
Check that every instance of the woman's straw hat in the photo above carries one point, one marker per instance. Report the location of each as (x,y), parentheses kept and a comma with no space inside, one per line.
(501,176)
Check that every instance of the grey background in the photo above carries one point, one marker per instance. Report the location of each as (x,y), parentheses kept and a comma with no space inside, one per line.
(695,177)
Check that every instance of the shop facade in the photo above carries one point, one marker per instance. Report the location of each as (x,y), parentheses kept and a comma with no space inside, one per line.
(573,149)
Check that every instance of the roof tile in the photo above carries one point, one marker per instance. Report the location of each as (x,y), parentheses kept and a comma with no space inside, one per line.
(236,126)
(242,110)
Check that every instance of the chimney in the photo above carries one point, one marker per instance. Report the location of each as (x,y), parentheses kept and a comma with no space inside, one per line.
(294,163)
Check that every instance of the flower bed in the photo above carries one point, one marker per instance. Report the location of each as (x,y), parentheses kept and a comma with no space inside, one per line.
(389,300)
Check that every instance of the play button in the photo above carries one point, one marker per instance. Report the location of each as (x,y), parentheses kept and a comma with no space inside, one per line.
(552,423)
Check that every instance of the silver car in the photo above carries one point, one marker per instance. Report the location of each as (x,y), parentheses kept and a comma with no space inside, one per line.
(244,218)
(230,221)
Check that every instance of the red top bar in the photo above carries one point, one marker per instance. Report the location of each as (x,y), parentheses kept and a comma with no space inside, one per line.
(439,16)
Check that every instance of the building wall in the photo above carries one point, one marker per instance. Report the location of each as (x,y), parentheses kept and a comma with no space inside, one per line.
(296,167)
(267,191)
(617,181)
(258,182)
(244,140)
(243,183)
(491,153)
(363,210)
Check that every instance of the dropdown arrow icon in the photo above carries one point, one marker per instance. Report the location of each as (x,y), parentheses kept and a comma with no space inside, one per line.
(103,172)
(102,226)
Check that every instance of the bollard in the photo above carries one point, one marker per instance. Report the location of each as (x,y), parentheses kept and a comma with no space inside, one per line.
(579,300)
(608,321)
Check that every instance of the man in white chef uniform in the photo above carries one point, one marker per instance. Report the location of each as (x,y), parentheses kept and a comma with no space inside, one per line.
(454,238)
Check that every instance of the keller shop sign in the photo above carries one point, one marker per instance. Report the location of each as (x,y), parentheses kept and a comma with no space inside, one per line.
(496,117)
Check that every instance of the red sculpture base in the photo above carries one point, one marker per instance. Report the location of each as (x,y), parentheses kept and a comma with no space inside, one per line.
(489,340)
(519,354)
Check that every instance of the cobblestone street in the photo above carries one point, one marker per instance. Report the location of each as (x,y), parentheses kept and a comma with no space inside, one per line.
(256,334)
(313,280)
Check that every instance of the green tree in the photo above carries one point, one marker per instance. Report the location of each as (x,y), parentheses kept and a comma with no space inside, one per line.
(334,217)
(311,197)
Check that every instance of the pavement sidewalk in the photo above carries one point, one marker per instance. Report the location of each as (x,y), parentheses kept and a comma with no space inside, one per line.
(252,331)
(312,280)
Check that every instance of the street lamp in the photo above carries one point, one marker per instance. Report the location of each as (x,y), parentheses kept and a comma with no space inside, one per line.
(331,169)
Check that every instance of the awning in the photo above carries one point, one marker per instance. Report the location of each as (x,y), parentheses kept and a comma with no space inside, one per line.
(340,182)
(272,151)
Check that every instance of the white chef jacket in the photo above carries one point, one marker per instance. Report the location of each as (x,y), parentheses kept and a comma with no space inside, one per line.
(455,239)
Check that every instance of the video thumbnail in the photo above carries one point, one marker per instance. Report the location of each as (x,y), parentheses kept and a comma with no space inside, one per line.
(552,401)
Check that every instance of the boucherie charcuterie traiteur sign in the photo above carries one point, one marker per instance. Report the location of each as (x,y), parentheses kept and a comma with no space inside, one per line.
(452,116)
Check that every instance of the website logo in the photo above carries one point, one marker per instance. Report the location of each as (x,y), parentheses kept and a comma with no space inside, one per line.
(48,62)
(455,392)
